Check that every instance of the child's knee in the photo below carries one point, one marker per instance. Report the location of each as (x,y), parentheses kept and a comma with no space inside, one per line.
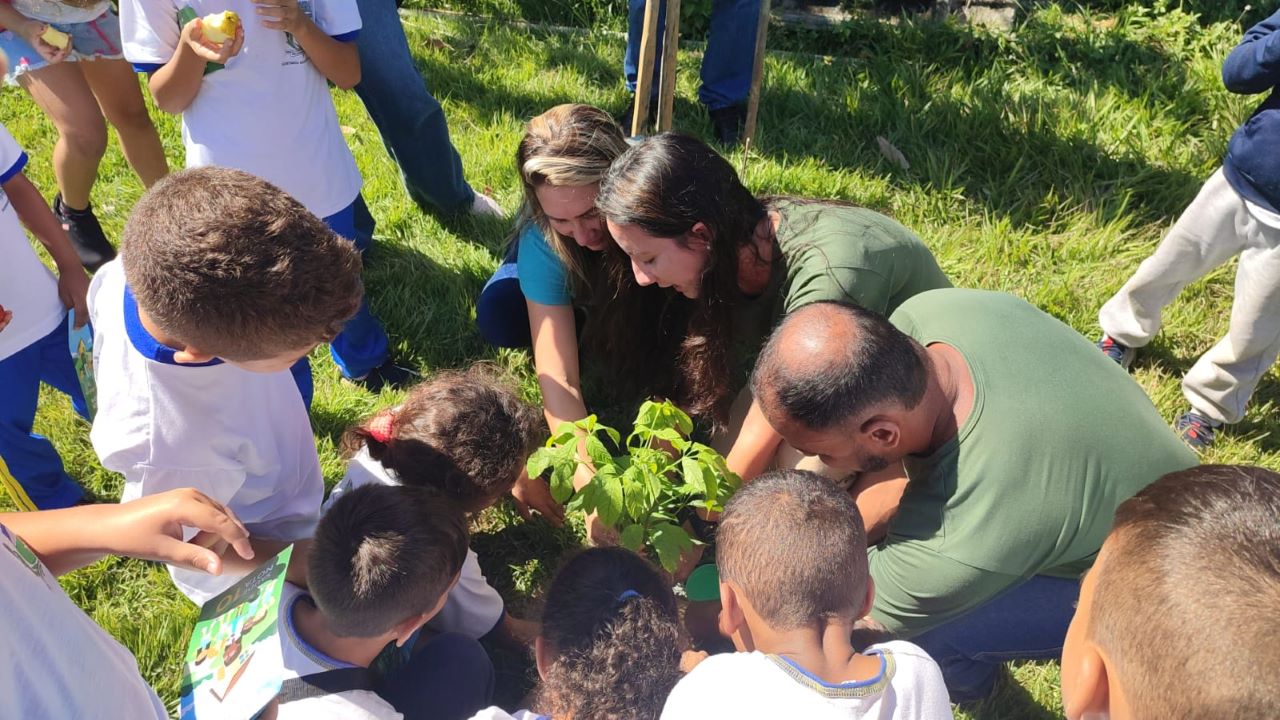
(86,136)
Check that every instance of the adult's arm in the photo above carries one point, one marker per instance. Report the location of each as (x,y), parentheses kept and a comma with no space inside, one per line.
(756,444)
(150,528)
(918,589)
(1254,65)
(555,359)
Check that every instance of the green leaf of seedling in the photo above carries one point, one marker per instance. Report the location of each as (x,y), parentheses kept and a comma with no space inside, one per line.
(632,537)
(587,424)
(565,432)
(669,541)
(614,435)
(635,494)
(562,482)
(691,470)
(599,455)
(608,499)
(539,461)
(647,416)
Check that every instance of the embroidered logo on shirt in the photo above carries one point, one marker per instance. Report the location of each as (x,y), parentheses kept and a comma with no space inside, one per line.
(20,550)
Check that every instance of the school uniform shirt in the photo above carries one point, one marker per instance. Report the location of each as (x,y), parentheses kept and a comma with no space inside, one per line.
(27,288)
(908,686)
(301,659)
(473,608)
(58,662)
(268,112)
(497,713)
(242,438)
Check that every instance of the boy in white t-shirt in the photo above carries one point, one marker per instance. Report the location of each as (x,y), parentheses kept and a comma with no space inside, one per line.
(381,565)
(58,663)
(33,335)
(222,284)
(792,555)
(259,101)
(465,434)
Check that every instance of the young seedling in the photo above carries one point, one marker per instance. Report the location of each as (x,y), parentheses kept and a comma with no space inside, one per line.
(640,492)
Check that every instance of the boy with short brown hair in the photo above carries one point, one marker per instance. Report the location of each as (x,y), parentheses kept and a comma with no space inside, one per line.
(223,283)
(794,581)
(1178,616)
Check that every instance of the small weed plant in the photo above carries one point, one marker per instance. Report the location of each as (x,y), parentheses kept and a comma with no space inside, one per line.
(642,491)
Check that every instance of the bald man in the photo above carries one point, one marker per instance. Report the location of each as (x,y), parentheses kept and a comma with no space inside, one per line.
(1013,472)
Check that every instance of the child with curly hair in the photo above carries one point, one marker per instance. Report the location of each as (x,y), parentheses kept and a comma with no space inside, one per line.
(465,434)
(610,647)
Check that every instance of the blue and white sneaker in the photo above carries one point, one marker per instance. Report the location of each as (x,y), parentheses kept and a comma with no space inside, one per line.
(1122,354)
(1196,430)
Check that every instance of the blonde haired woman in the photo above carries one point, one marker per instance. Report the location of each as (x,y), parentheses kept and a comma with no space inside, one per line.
(558,258)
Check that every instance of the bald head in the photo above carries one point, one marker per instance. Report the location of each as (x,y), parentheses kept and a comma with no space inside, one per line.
(828,363)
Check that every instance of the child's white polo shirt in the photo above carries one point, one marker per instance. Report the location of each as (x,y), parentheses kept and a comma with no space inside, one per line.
(747,685)
(301,659)
(58,662)
(473,608)
(242,438)
(27,288)
(268,112)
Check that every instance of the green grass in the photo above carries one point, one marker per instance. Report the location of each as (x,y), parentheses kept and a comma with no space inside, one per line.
(1046,163)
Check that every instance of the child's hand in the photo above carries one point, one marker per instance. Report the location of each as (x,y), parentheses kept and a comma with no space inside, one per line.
(5,317)
(151,528)
(193,36)
(689,659)
(32,31)
(73,290)
(534,495)
(282,15)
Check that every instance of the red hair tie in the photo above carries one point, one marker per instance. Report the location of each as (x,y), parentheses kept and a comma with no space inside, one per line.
(380,427)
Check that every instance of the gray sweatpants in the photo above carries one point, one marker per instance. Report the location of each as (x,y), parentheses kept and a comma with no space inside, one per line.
(1214,228)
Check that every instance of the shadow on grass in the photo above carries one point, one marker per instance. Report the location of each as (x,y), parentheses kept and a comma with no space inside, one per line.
(1011,701)
(426,307)
(937,91)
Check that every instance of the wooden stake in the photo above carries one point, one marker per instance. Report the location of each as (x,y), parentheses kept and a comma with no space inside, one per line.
(757,75)
(667,88)
(644,69)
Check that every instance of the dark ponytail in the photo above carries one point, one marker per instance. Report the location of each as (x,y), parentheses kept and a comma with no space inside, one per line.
(612,625)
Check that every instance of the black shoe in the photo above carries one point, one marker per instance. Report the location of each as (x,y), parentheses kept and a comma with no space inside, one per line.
(386,375)
(86,234)
(624,119)
(728,123)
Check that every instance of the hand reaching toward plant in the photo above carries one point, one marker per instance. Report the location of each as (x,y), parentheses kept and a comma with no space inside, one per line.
(532,495)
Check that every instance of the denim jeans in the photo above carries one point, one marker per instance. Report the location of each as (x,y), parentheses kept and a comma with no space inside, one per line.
(502,315)
(1026,622)
(410,120)
(362,344)
(727,62)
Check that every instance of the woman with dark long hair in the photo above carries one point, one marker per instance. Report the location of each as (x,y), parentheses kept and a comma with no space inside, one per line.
(679,211)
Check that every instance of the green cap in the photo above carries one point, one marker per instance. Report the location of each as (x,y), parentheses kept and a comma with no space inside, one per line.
(703,584)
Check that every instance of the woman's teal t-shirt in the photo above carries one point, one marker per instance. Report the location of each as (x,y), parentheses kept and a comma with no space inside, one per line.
(543,277)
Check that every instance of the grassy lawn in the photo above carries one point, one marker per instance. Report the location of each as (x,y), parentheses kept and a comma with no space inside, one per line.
(1046,163)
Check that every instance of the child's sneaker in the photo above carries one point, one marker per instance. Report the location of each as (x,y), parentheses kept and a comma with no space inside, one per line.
(1195,430)
(388,374)
(485,206)
(1121,354)
(86,234)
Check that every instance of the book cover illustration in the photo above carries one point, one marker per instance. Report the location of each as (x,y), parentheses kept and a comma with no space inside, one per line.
(80,343)
(233,667)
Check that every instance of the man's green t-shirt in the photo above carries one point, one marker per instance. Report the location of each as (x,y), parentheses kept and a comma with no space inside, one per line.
(834,252)
(1059,435)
